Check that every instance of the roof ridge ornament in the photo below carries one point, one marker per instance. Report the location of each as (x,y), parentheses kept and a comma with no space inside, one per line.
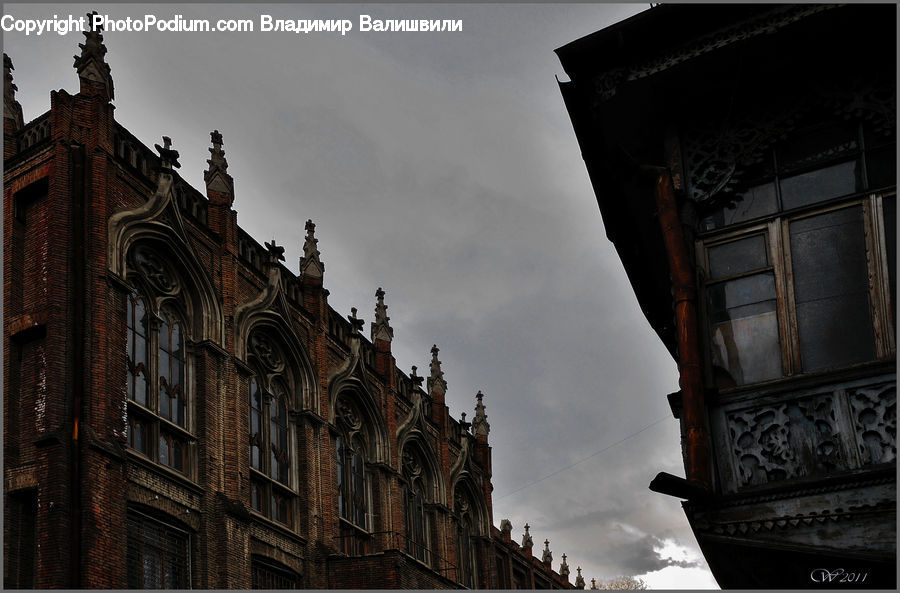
(12,109)
(564,568)
(356,324)
(167,155)
(381,329)
(216,176)
(547,556)
(93,71)
(480,424)
(579,580)
(436,382)
(310,264)
(527,541)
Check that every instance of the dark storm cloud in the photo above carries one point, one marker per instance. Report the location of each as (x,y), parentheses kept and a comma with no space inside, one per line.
(444,169)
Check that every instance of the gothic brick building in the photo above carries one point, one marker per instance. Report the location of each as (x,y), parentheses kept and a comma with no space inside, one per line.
(183,411)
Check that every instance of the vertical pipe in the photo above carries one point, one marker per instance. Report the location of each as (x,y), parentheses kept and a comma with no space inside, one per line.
(684,292)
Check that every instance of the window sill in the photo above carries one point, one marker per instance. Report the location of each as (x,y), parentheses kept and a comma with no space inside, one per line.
(147,463)
(281,528)
(803,381)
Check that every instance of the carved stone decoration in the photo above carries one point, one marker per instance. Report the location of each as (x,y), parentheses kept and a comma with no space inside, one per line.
(480,424)
(348,415)
(547,555)
(381,329)
(579,580)
(787,440)
(506,528)
(155,271)
(11,107)
(527,541)
(91,64)
(875,423)
(311,265)
(412,469)
(436,383)
(265,352)
(564,568)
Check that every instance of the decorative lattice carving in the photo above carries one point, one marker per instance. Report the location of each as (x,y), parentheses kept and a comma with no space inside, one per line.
(155,270)
(875,423)
(786,440)
(266,352)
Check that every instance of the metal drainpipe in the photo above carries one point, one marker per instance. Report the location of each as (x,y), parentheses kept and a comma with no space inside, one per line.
(685,294)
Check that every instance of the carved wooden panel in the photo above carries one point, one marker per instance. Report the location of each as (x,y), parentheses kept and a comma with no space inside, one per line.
(874,412)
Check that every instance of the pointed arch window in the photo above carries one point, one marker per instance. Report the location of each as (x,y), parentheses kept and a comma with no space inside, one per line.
(157,362)
(271,491)
(418,524)
(466,562)
(354,480)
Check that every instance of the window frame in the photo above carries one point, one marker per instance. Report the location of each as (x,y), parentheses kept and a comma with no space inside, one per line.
(275,390)
(776,229)
(135,549)
(156,426)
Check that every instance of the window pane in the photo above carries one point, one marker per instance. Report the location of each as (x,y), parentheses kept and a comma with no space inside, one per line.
(821,185)
(831,288)
(738,257)
(752,203)
(744,342)
(881,166)
(820,144)
(163,450)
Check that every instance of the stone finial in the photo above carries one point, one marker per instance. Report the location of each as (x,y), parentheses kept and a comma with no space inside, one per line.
(564,569)
(547,556)
(93,71)
(463,424)
(275,253)
(216,176)
(415,379)
(356,324)
(310,264)
(381,329)
(436,383)
(506,528)
(12,110)
(480,424)
(167,155)
(527,542)
(594,584)
(579,580)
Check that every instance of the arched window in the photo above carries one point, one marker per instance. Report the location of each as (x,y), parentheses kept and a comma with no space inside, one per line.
(353,479)
(418,525)
(466,563)
(158,389)
(271,491)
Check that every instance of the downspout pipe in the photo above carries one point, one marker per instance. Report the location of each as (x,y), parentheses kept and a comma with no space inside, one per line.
(684,292)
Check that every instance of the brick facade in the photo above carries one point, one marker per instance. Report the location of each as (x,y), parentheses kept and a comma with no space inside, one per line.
(93,217)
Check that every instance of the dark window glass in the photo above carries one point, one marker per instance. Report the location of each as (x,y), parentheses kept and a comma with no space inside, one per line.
(881,167)
(818,145)
(256,438)
(267,574)
(831,289)
(820,185)
(744,341)
(737,257)
(754,202)
(137,349)
(171,371)
(21,544)
(158,554)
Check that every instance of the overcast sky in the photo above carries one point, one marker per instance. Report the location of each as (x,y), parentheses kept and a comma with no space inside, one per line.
(441,166)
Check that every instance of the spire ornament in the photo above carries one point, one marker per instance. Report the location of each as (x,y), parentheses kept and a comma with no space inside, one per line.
(527,542)
(547,556)
(167,155)
(436,383)
(93,71)
(415,379)
(356,324)
(216,176)
(381,329)
(310,264)
(12,110)
(564,568)
(594,584)
(579,580)
(276,253)
(480,424)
